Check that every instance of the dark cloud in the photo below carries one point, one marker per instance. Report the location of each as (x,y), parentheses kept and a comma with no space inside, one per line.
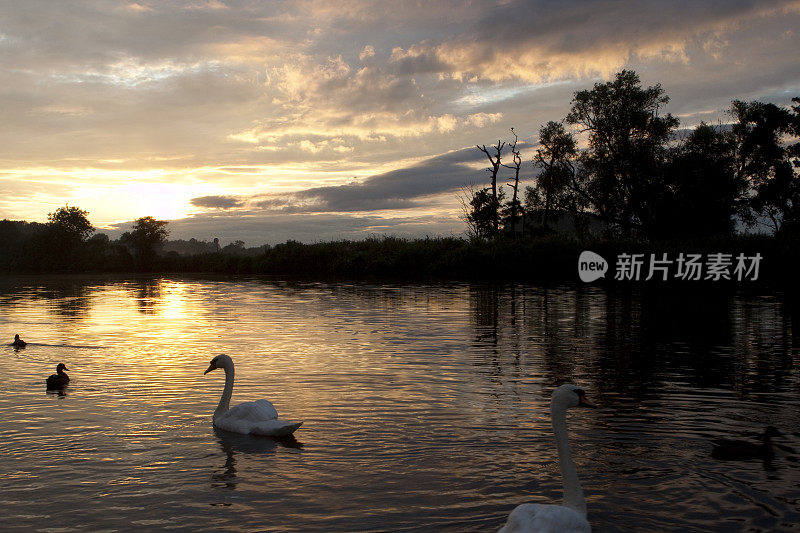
(399,189)
(549,39)
(216,202)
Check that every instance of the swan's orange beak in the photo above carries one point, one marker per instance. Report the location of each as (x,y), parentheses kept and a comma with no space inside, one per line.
(582,401)
(211,367)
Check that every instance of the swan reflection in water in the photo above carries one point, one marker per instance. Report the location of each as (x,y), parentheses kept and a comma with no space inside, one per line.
(233,444)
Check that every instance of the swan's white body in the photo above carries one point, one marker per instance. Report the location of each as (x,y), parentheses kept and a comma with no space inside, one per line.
(541,517)
(570,517)
(257,418)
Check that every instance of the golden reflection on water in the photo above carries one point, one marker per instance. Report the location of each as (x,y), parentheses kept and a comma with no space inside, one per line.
(424,406)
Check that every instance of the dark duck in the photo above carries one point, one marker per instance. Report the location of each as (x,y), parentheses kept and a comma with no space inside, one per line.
(60,379)
(19,343)
(741,450)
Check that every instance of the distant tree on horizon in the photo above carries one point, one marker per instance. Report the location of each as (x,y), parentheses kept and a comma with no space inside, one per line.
(71,223)
(145,238)
(64,237)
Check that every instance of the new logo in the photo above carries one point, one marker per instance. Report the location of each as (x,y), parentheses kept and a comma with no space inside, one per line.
(591,266)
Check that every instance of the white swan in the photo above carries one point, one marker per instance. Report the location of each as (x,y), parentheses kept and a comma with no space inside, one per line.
(571,515)
(258,417)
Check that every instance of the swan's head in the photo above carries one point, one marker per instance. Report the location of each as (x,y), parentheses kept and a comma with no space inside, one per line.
(220,361)
(16,337)
(61,367)
(570,395)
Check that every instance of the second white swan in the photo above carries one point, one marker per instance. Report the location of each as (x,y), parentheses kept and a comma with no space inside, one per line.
(257,418)
(571,515)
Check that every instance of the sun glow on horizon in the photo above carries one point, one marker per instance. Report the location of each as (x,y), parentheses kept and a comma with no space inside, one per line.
(114,196)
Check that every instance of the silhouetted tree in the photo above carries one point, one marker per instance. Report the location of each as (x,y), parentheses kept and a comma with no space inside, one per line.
(493,153)
(23,244)
(481,208)
(234,248)
(66,231)
(621,171)
(513,208)
(147,235)
(705,194)
(791,221)
(636,178)
(70,223)
(556,186)
(766,162)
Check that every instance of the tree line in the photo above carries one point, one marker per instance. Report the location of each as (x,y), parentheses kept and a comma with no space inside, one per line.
(64,244)
(617,159)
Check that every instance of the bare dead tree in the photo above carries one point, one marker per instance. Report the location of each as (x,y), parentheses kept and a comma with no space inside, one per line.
(495,167)
(514,206)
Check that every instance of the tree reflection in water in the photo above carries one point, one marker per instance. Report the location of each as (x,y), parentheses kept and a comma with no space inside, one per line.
(628,339)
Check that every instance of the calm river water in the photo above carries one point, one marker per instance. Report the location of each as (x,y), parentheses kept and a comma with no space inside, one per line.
(425,406)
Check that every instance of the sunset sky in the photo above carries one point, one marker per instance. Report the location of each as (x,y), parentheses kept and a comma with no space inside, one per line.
(264,121)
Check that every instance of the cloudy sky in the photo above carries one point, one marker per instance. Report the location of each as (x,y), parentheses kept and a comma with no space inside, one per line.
(319,120)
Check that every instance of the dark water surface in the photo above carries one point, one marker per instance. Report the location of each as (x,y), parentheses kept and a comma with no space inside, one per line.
(425,407)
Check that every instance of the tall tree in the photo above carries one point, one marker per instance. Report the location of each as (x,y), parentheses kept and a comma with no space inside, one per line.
(628,141)
(514,206)
(556,186)
(705,194)
(791,222)
(762,157)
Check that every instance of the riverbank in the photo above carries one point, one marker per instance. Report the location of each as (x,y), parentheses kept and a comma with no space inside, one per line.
(752,259)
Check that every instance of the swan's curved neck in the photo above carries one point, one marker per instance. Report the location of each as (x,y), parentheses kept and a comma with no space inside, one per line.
(225,400)
(573,493)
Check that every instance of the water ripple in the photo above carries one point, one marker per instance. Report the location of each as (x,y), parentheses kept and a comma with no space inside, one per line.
(425,407)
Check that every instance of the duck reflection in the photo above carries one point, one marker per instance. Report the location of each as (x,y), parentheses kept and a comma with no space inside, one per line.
(233,444)
(743,450)
(59,392)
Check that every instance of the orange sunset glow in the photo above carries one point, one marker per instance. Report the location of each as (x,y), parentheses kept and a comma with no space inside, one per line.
(313,120)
